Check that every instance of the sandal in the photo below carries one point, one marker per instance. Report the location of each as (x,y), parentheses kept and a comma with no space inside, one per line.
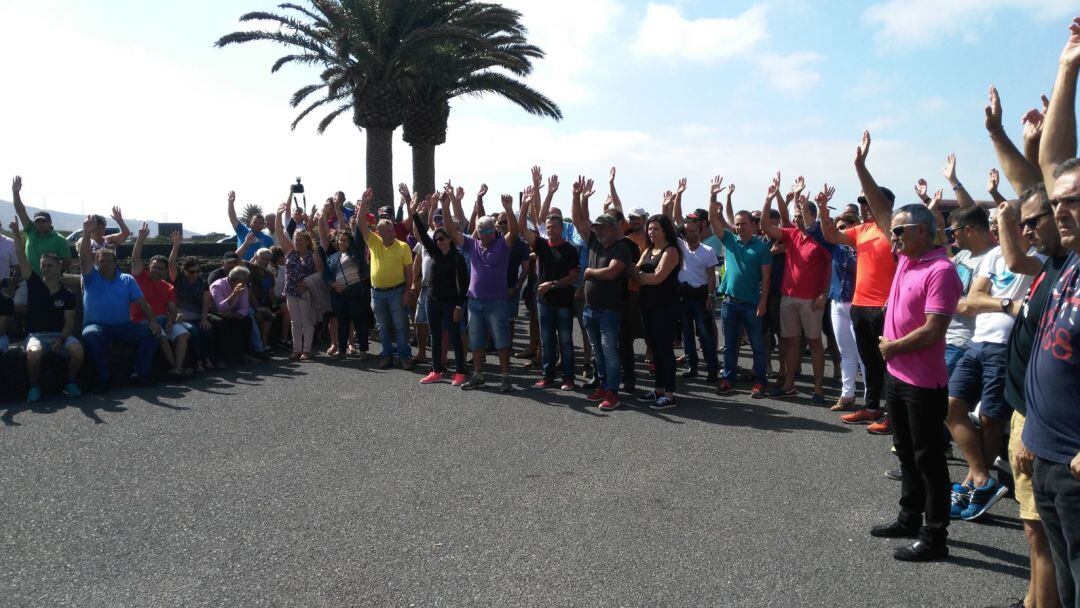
(843,405)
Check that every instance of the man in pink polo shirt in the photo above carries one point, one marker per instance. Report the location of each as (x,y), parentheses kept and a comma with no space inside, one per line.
(921,303)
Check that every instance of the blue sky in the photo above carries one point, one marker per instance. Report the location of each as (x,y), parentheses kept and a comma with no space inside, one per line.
(126,102)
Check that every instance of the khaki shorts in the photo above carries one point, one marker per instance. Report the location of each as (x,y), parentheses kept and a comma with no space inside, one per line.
(798,318)
(1025,493)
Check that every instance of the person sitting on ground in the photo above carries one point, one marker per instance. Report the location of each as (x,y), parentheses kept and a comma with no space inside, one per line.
(50,320)
(161,298)
(256,225)
(300,262)
(558,265)
(195,305)
(447,294)
(231,324)
(489,259)
(98,238)
(107,298)
(658,272)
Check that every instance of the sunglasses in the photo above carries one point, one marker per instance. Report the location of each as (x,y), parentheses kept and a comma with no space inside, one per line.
(1031,222)
(950,231)
(899,230)
(486,231)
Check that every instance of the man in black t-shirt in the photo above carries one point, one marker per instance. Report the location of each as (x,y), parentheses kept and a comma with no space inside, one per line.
(50,320)
(558,271)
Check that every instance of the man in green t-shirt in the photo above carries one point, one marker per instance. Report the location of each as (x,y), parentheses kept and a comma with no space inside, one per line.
(40,236)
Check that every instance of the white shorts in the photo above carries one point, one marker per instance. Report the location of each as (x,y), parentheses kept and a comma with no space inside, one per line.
(21,294)
(177,330)
(44,342)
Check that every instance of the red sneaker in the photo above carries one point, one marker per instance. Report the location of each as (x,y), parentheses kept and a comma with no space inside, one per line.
(723,387)
(598,395)
(568,385)
(862,416)
(458,380)
(611,401)
(881,427)
(543,383)
(431,378)
(758,392)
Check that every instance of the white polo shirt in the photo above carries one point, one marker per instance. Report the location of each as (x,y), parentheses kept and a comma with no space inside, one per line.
(697,264)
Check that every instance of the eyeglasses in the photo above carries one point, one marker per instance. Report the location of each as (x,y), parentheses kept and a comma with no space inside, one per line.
(899,230)
(950,231)
(1031,222)
(756,220)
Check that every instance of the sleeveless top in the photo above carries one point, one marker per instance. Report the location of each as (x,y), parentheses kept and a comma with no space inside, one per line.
(664,295)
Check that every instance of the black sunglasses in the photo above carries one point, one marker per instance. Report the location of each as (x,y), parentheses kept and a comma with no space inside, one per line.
(950,231)
(1031,222)
(899,230)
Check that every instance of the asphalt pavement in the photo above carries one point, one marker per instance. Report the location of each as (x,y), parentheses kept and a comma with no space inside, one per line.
(324,484)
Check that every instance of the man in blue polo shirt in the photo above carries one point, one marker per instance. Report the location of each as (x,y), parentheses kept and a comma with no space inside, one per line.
(107,298)
(747,266)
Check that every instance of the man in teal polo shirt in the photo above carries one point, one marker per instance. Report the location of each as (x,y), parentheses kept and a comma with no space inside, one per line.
(747,263)
(40,236)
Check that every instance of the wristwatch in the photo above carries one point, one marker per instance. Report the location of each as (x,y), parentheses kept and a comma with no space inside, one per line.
(1006,305)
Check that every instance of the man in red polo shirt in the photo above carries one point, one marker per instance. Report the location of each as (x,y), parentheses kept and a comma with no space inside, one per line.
(161,299)
(804,292)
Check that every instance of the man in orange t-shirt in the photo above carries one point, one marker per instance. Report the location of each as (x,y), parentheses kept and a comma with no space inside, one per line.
(873,280)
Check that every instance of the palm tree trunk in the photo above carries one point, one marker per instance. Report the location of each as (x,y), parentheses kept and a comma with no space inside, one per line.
(380,166)
(423,168)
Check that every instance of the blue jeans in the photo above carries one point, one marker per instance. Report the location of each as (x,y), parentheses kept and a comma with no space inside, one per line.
(735,316)
(393,325)
(201,343)
(696,318)
(440,317)
(351,310)
(561,320)
(256,333)
(660,336)
(603,328)
(488,317)
(97,338)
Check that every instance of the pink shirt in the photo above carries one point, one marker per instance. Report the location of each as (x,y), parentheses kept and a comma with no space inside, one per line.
(929,285)
(806,267)
(219,292)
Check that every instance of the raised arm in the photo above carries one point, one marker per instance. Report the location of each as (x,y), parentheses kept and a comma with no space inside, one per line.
(136,252)
(20,249)
(1033,124)
(452,230)
(767,227)
(233,220)
(478,208)
(828,227)
(16,200)
(716,219)
(116,239)
(879,205)
(729,210)
(1059,129)
(512,227)
(1020,173)
(992,182)
(553,187)
(177,237)
(962,197)
(615,200)
(279,238)
(324,228)
(526,206)
(459,211)
(679,217)
(86,256)
(579,212)
(1015,257)
(934,205)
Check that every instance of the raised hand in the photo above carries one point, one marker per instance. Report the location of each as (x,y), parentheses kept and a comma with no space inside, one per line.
(681,187)
(176,237)
(863,150)
(403,190)
(993,180)
(527,195)
(13,227)
(281,208)
(1033,123)
(826,194)
(232,197)
(1070,56)
(935,201)
(993,111)
(798,186)
(507,203)
(716,186)
(88,225)
(459,194)
(731,189)
(587,190)
(145,231)
(537,177)
(578,186)
(117,215)
(668,202)
(775,189)
(920,188)
(612,179)
(367,197)
(553,184)
(16,184)
(483,191)
(950,168)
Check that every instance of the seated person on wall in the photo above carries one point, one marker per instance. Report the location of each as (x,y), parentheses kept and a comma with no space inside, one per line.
(50,319)
(232,328)
(161,298)
(107,297)
(262,298)
(194,304)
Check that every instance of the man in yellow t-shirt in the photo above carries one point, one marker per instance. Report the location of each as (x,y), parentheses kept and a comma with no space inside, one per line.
(391,279)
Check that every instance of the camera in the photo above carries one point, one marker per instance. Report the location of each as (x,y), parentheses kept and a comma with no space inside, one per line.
(297,188)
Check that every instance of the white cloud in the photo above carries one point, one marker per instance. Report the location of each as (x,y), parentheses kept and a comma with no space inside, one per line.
(570,33)
(791,73)
(666,33)
(903,24)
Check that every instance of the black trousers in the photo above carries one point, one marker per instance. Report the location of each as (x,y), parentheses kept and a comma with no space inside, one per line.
(629,330)
(659,327)
(918,415)
(869,325)
(1057,498)
(232,337)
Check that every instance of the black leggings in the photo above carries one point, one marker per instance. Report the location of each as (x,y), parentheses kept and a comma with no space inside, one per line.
(352,310)
(660,337)
(440,317)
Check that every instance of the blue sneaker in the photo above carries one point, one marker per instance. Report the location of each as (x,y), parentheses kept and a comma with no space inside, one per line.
(33,395)
(982,498)
(961,496)
(72,390)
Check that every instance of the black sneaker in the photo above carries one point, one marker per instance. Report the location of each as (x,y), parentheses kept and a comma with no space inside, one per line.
(648,397)
(663,402)
(473,383)
(894,529)
(505,387)
(921,551)
(690,373)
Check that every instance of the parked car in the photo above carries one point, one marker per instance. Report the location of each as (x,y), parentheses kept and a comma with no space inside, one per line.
(74,237)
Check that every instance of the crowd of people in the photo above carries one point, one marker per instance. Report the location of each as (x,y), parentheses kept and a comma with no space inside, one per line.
(941,318)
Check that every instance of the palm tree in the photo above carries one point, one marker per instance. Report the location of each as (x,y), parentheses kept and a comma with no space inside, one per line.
(366,49)
(464,68)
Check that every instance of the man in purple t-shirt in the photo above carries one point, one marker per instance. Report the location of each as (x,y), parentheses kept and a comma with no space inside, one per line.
(921,303)
(489,257)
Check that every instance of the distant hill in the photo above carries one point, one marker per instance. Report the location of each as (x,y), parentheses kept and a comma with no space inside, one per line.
(69,222)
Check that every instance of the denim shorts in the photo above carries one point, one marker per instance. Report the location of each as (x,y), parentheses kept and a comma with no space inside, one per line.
(953,354)
(979,376)
(488,316)
(421,307)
